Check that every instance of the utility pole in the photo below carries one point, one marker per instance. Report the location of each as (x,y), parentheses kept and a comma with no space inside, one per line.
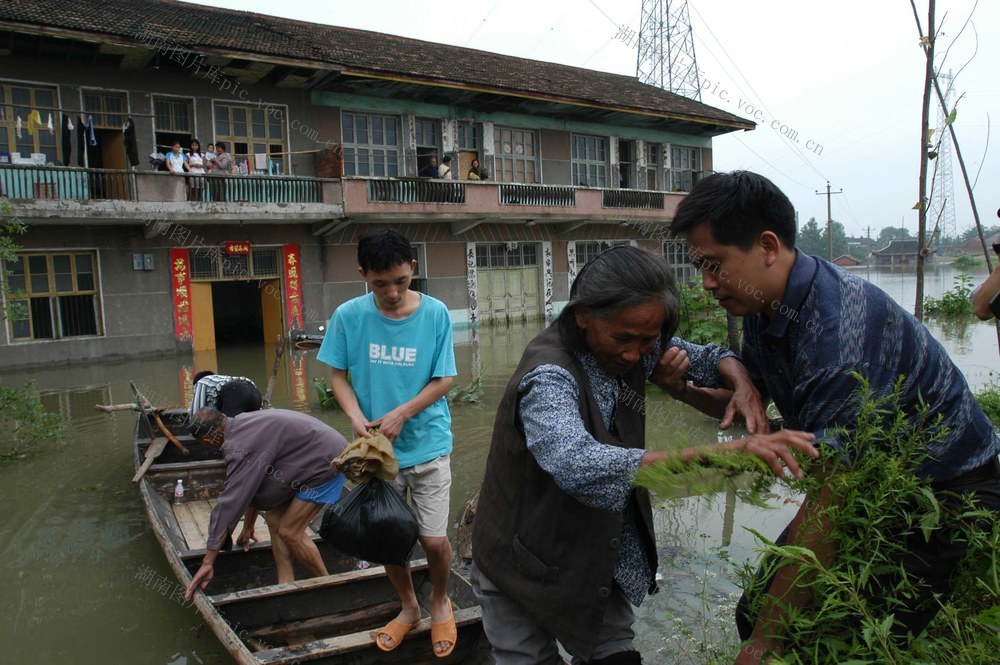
(829,220)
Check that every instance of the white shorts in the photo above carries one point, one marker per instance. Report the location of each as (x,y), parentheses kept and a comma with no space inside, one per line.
(430,494)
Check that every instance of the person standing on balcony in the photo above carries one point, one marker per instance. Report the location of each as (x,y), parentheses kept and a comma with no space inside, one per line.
(431,170)
(222,165)
(196,167)
(176,159)
(476,172)
(444,171)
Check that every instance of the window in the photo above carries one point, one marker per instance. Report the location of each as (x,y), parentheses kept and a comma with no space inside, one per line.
(173,115)
(371,144)
(59,296)
(516,155)
(427,133)
(654,164)
(468,136)
(586,251)
(506,255)
(590,161)
(17,101)
(108,108)
(684,162)
(419,282)
(675,253)
(212,264)
(248,131)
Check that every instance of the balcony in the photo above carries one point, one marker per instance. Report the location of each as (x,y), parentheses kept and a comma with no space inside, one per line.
(389,199)
(46,194)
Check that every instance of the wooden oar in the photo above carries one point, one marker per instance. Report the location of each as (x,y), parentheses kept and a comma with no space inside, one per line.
(147,409)
(111,408)
(154,450)
(278,350)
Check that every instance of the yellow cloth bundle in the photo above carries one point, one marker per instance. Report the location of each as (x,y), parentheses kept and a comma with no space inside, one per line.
(367,458)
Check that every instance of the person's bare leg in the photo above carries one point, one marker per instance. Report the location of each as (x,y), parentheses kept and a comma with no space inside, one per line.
(438,549)
(402,582)
(292,530)
(279,549)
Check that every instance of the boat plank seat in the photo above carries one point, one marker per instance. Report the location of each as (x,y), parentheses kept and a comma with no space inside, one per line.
(193,518)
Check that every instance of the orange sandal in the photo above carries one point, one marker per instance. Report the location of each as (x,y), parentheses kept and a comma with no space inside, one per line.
(396,630)
(445,631)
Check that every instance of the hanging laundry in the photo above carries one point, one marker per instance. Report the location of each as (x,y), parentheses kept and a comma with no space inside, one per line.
(67,139)
(17,126)
(90,131)
(260,161)
(81,141)
(131,147)
(34,122)
(52,130)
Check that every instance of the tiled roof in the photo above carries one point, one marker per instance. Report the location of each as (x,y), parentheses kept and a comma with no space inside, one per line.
(261,36)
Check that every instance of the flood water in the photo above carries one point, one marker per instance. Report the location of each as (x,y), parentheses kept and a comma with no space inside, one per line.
(74,541)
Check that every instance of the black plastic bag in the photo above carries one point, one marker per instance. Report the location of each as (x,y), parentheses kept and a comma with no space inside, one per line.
(373,523)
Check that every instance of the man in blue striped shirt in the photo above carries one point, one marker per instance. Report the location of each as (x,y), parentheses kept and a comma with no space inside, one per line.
(807,325)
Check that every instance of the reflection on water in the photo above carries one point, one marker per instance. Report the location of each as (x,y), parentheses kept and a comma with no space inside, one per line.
(74,537)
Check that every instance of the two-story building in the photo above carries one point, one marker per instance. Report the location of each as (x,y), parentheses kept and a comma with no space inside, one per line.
(327,129)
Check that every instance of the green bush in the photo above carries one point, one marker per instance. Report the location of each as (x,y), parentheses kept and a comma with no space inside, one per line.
(24,422)
(966,262)
(702,320)
(989,399)
(954,302)
(881,502)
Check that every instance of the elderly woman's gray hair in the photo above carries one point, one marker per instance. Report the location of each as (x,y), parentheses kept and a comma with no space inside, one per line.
(615,280)
(207,421)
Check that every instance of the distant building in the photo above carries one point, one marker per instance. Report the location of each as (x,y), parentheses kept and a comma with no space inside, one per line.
(899,253)
(846,261)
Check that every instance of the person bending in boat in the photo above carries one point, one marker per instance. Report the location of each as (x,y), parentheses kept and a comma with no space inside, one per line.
(563,543)
(232,395)
(277,461)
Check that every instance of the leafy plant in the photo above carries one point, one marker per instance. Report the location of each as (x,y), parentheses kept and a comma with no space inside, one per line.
(954,302)
(989,399)
(325,394)
(24,422)
(702,320)
(468,394)
(882,503)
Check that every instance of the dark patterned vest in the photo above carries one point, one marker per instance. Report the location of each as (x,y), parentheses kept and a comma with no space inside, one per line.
(539,545)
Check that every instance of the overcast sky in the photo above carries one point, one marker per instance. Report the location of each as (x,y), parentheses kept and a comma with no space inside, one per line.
(846,76)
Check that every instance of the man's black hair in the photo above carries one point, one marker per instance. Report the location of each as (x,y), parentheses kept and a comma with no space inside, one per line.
(201,375)
(383,249)
(446,160)
(737,207)
(222,145)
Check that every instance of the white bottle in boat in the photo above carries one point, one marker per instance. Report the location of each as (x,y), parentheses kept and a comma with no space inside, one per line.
(179,491)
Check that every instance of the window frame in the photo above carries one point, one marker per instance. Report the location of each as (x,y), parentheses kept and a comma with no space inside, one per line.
(53,294)
(594,167)
(219,276)
(102,117)
(675,254)
(502,160)
(488,252)
(352,156)
(231,139)
(8,135)
(682,177)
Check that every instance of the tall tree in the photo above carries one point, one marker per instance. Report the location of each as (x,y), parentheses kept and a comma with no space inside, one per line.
(890,233)
(811,240)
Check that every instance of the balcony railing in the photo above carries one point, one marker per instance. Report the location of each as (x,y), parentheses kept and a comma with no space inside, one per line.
(18,181)
(632,198)
(253,189)
(416,190)
(537,195)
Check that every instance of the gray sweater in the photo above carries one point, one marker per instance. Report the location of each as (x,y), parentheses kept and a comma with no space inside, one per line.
(271,455)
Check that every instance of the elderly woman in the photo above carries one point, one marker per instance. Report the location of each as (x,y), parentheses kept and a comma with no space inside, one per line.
(563,543)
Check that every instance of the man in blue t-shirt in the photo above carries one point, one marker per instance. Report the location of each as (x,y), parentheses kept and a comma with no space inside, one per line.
(396,345)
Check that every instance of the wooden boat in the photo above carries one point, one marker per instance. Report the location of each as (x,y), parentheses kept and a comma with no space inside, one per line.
(329,619)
